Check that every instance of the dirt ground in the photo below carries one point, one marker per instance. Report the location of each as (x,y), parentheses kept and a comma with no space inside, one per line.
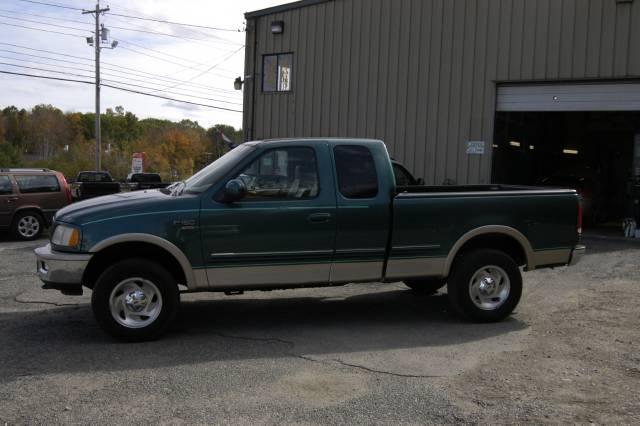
(358,354)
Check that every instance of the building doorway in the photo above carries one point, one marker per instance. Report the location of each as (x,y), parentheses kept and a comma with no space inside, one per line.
(590,151)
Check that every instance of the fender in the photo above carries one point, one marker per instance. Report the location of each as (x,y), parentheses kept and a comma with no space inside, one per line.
(492,229)
(195,280)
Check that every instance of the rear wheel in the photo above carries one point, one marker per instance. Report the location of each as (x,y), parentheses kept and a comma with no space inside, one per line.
(425,286)
(485,285)
(135,300)
(27,226)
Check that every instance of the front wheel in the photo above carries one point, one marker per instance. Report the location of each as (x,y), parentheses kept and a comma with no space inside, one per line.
(135,300)
(485,285)
(27,226)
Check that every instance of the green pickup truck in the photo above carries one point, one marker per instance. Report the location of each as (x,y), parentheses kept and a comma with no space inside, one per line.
(294,213)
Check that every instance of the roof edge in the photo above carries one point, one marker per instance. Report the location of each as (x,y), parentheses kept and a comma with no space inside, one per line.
(283,8)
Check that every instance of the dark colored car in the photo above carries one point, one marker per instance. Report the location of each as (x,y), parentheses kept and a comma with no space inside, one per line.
(29,198)
(142,181)
(94,184)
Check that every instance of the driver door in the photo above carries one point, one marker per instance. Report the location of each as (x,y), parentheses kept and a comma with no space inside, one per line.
(283,231)
(7,201)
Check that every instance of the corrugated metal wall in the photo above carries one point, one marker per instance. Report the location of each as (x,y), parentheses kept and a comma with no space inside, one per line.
(421,74)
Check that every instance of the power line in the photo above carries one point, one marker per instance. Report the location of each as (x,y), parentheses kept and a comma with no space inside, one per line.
(41,29)
(43,23)
(117,88)
(191,94)
(50,4)
(111,66)
(44,16)
(176,23)
(112,81)
(206,42)
(207,70)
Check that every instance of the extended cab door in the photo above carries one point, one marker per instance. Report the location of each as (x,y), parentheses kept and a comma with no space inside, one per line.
(8,200)
(282,232)
(363,174)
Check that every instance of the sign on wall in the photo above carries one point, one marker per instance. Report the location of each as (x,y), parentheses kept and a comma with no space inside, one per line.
(475,147)
(137,162)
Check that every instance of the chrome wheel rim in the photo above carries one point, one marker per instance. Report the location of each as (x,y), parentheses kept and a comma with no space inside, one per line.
(135,303)
(28,226)
(489,287)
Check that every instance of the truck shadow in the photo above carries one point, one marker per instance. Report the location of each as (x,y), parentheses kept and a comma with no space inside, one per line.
(66,339)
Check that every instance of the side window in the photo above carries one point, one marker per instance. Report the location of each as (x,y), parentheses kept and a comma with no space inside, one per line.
(402,176)
(282,174)
(30,184)
(5,185)
(357,176)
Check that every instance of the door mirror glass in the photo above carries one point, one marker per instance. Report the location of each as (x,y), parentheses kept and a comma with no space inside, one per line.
(234,190)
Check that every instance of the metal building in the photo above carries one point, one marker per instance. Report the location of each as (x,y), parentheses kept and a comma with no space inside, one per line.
(461,91)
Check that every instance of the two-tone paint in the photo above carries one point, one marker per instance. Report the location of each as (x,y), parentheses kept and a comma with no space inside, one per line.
(330,239)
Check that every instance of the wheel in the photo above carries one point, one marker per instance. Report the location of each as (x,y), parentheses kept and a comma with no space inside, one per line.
(484,285)
(27,226)
(425,286)
(135,300)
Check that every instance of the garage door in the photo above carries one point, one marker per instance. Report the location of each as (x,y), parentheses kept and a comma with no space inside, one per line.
(569,97)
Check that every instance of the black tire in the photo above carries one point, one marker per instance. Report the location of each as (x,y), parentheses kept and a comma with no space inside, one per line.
(142,269)
(27,225)
(425,286)
(460,284)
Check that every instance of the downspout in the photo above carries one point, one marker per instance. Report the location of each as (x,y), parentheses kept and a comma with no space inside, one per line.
(254,75)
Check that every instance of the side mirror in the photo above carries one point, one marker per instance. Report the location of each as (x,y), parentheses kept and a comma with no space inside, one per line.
(234,190)
(420,181)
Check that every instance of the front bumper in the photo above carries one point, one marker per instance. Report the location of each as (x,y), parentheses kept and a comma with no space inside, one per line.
(576,254)
(61,270)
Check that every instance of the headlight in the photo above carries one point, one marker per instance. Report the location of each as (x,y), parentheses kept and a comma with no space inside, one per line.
(66,236)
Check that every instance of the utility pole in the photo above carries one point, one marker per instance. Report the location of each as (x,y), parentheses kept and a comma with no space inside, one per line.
(96,45)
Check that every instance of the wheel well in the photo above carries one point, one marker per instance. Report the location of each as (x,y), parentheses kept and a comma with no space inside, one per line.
(496,241)
(108,256)
(29,210)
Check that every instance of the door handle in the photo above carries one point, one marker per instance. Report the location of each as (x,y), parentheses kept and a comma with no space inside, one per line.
(12,199)
(319,217)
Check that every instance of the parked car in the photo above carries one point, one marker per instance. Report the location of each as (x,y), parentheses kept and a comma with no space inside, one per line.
(142,181)
(94,184)
(293,213)
(29,198)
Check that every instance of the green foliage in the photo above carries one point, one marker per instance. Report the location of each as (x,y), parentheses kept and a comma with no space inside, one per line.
(48,137)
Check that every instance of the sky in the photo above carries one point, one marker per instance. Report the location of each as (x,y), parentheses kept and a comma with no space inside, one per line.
(185,63)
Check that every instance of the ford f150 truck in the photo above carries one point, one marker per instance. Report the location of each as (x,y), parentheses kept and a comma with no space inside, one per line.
(283,214)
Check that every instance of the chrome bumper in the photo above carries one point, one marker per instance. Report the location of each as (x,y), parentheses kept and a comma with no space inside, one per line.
(55,267)
(576,254)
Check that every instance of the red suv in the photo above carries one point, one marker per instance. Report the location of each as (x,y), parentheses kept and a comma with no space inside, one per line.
(29,198)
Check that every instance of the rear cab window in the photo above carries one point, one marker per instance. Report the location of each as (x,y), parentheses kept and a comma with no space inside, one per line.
(356,172)
(5,185)
(32,184)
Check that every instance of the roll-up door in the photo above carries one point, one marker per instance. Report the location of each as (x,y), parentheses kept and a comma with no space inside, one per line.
(569,97)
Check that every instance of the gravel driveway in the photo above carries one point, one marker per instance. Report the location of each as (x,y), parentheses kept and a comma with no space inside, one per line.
(354,354)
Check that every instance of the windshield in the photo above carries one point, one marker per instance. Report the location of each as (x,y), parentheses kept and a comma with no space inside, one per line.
(202,180)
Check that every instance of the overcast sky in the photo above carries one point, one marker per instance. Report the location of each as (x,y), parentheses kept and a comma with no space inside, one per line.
(201,69)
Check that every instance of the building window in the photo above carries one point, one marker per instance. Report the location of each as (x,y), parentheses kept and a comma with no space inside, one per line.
(277,72)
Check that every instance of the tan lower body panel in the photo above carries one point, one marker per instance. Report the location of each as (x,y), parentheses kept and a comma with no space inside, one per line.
(420,267)
(268,275)
(551,257)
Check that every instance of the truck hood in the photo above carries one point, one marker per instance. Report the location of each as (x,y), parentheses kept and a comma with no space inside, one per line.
(116,205)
